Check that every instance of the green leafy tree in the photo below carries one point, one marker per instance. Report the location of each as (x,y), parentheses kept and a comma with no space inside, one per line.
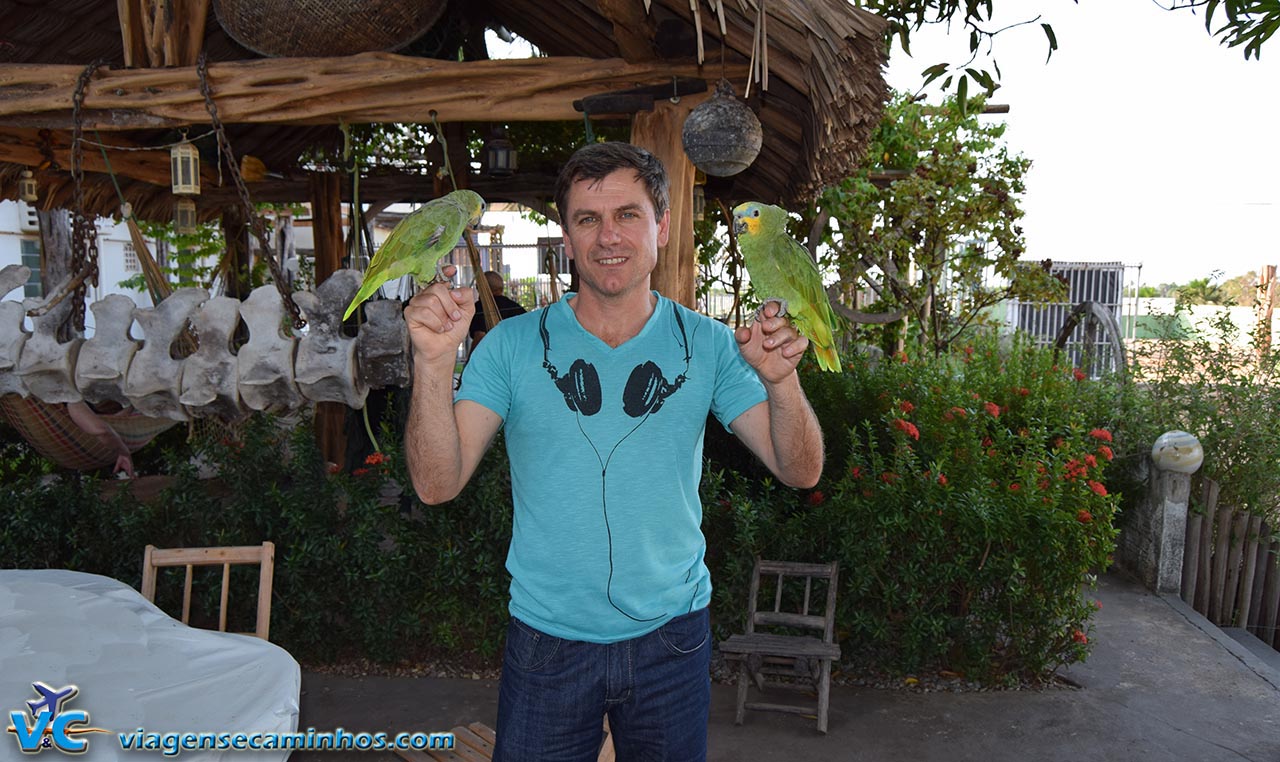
(931,218)
(1203,291)
(1237,23)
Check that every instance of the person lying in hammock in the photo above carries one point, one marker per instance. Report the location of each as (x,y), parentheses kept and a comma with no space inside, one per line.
(91,423)
(77,437)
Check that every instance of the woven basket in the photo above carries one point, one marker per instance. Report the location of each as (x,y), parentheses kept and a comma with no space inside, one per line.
(326,27)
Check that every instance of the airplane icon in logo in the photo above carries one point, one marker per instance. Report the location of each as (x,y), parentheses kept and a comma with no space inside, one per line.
(50,700)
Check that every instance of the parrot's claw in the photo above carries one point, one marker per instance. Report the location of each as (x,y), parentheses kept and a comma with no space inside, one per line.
(782,306)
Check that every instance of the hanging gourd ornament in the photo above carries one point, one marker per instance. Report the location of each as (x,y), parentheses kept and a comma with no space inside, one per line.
(722,136)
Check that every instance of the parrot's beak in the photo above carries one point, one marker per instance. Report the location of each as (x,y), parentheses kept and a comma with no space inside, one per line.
(739,226)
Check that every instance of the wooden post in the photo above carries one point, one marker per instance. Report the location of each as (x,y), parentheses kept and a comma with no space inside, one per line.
(235,235)
(1264,309)
(326,225)
(659,132)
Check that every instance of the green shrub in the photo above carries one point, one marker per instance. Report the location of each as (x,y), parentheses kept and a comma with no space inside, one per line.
(964,499)
(1204,378)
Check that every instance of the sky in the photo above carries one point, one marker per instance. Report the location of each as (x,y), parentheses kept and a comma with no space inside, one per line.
(1151,142)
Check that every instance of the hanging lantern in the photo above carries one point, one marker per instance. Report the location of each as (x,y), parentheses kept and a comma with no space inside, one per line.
(722,136)
(184,216)
(185,169)
(699,203)
(27,187)
(499,154)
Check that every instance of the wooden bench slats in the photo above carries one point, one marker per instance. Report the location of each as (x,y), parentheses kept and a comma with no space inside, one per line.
(780,645)
(473,742)
(787,619)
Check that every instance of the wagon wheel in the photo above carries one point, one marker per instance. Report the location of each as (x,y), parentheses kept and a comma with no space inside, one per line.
(1100,347)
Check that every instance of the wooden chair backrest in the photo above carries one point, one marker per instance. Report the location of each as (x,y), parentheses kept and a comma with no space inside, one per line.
(263,555)
(801,615)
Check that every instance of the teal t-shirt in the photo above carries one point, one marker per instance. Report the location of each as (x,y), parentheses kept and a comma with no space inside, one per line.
(606,459)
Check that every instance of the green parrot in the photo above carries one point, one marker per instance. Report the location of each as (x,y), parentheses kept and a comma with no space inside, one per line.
(782,271)
(419,241)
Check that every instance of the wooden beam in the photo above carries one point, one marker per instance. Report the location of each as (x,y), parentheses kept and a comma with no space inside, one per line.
(659,132)
(633,29)
(370,87)
(131,36)
(23,146)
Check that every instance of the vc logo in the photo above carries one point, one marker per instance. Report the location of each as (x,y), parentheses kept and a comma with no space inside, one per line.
(51,725)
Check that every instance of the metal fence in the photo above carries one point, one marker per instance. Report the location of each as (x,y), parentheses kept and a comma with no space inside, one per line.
(1103,283)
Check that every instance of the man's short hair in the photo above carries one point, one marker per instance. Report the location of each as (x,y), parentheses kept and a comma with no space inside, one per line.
(599,160)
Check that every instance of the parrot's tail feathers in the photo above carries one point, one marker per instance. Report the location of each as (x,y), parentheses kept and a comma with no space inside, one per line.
(828,359)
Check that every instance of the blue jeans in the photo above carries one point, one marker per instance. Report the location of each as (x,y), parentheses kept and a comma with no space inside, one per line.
(655,688)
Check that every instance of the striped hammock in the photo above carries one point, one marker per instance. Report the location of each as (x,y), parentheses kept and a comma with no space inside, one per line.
(51,432)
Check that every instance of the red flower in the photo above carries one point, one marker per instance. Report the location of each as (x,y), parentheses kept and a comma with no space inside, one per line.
(1091,461)
(906,427)
(902,357)
(986,442)
(942,479)
(1079,637)
(960,411)
(992,408)
(1043,484)
(376,459)
(360,472)
(968,350)
(333,468)
(1101,434)
(856,472)
(867,492)
(1083,516)
(1076,469)
(1097,605)
(1098,487)
(1023,391)
(888,477)
(1015,487)
(906,407)
(1106,452)
(816,497)
(1079,374)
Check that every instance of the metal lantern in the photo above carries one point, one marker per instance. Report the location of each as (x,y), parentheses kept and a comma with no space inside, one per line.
(699,203)
(185,169)
(499,154)
(27,187)
(184,216)
(722,136)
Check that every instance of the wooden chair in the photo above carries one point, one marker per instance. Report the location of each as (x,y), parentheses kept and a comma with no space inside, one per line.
(264,555)
(765,655)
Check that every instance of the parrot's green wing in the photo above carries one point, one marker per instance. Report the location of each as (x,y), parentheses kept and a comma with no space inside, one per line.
(416,245)
(813,314)
(781,268)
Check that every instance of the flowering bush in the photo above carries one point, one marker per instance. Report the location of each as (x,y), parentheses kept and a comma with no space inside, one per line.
(965,499)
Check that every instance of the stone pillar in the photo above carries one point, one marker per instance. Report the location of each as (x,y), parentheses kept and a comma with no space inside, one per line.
(1154,536)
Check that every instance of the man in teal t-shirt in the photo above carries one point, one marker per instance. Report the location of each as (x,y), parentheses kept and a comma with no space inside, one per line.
(604,398)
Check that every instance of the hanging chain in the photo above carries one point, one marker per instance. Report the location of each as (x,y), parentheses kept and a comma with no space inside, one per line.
(256,224)
(84,231)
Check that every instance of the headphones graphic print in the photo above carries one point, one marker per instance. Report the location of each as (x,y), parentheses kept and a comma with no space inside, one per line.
(642,396)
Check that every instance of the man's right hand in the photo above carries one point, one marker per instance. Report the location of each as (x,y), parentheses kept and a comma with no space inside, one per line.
(438,319)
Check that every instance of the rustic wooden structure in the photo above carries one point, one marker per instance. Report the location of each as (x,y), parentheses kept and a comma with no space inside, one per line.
(821,61)
(764,657)
(1231,567)
(263,555)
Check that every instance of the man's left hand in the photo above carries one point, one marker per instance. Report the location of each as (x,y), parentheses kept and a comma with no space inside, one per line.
(771,344)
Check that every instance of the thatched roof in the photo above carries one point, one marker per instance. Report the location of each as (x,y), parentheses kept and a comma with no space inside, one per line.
(825,86)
